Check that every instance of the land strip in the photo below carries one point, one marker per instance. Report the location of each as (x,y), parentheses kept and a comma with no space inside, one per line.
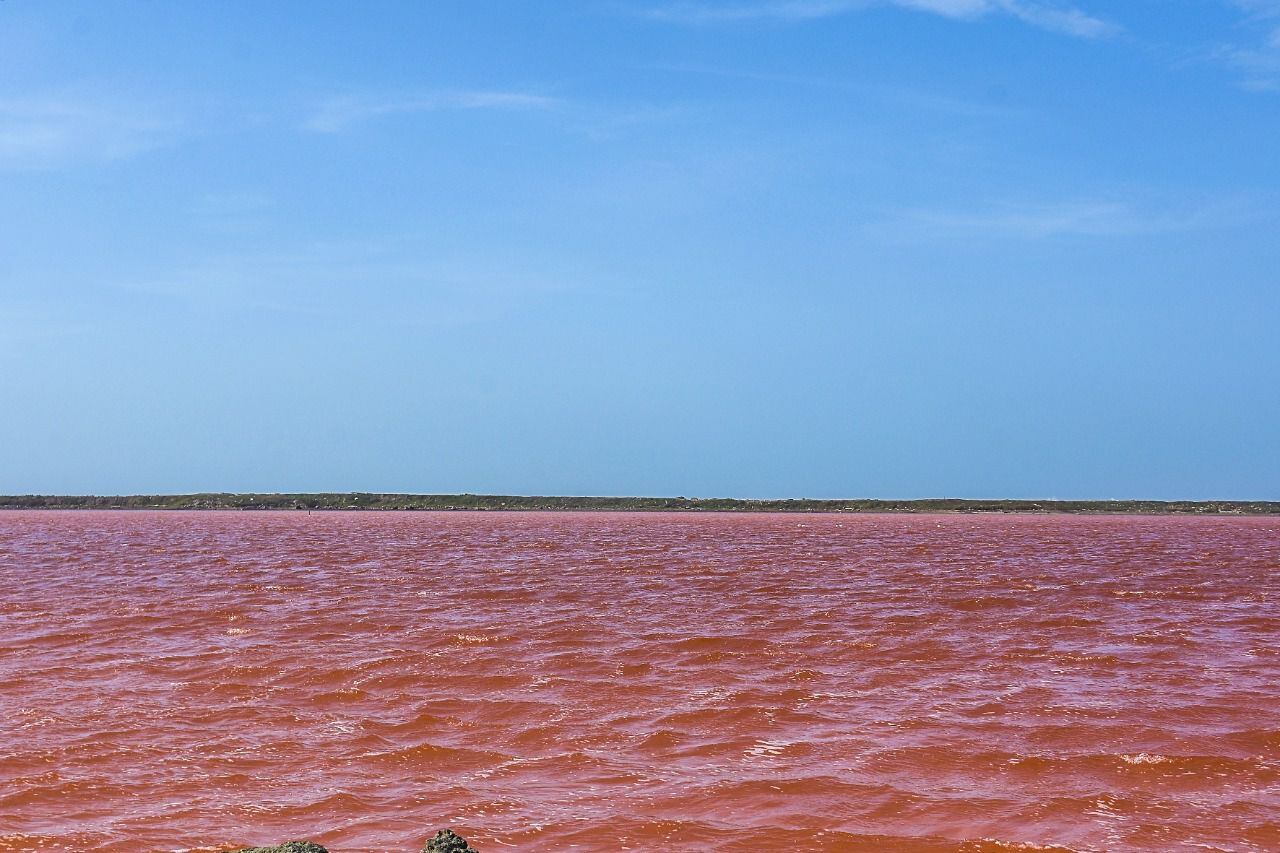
(380,501)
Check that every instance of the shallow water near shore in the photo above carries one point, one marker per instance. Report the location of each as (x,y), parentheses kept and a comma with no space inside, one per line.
(611,681)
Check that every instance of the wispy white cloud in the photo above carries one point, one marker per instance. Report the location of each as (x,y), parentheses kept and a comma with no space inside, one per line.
(1260,8)
(1257,59)
(1045,15)
(60,130)
(917,99)
(233,212)
(387,281)
(778,10)
(1067,20)
(338,113)
(1046,220)
(27,321)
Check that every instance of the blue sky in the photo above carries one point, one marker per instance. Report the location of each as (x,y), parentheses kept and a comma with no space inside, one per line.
(1001,248)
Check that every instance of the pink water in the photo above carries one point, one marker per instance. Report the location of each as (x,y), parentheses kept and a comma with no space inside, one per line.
(602,682)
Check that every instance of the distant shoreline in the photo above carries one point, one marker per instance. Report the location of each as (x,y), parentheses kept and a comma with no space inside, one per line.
(525,503)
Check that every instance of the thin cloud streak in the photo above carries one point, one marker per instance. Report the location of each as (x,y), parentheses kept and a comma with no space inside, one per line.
(1069,21)
(337,114)
(788,10)
(917,99)
(1259,61)
(40,133)
(1057,18)
(386,281)
(1041,221)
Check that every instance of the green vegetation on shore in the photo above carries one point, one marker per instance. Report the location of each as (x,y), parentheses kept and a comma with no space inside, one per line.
(370,501)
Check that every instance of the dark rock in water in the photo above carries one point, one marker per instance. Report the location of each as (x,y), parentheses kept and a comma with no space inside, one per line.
(447,841)
(444,841)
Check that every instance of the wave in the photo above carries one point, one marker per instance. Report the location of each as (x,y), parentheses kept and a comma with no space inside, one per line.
(890,683)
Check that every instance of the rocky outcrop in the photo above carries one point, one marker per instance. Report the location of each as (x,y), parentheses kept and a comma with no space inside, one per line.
(444,841)
(447,841)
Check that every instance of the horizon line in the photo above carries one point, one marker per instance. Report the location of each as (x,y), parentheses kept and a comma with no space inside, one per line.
(391,501)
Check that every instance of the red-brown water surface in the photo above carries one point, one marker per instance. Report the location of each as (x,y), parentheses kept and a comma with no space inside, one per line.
(602,682)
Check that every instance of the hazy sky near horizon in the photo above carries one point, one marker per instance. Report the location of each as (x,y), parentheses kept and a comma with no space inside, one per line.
(977,248)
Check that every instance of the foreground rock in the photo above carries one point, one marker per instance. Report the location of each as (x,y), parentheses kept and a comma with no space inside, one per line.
(447,841)
(444,841)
